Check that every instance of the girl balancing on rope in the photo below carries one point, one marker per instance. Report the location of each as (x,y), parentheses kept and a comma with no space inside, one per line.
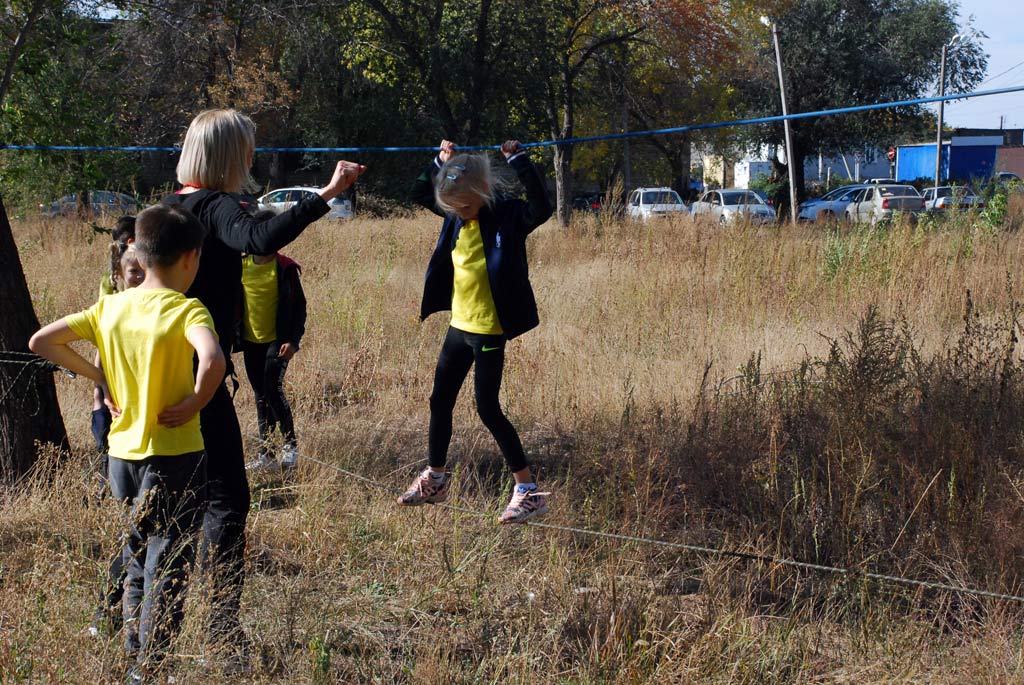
(214,165)
(479,272)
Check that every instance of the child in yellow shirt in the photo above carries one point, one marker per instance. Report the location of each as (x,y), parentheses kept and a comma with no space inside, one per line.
(148,338)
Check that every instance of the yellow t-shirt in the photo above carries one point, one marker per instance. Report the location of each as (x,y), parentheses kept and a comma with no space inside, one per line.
(259,300)
(473,308)
(147,360)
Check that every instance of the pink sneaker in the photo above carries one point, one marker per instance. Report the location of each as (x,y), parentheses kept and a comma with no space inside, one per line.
(524,506)
(426,490)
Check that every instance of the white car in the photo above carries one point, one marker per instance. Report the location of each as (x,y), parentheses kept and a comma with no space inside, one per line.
(283,199)
(730,205)
(881,202)
(951,197)
(645,203)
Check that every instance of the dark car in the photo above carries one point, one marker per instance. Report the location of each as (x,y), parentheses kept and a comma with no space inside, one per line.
(100,202)
(591,202)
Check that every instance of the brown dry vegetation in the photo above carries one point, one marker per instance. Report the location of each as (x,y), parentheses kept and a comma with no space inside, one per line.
(830,398)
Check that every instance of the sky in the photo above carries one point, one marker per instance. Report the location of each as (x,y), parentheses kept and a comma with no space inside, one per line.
(1002,21)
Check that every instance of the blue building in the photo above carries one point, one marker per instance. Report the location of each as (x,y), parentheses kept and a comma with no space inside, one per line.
(964,158)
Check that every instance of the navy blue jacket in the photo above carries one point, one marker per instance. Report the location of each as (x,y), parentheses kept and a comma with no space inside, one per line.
(504,225)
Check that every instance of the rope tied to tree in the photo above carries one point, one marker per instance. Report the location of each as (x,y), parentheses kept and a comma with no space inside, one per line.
(28,365)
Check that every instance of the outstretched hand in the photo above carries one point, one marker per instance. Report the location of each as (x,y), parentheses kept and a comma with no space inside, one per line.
(511,147)
(345,174)
(448,149)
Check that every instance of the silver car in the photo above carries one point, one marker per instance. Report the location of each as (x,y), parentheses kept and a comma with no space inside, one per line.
(951,198)
(284,198)
(829,206)
(100,202)
(881,202)
(730,205)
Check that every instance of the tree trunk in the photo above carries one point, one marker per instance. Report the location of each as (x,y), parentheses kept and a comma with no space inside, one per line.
(29,412)
(563,184)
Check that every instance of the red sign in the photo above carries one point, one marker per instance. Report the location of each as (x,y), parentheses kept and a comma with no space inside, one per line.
(891,154)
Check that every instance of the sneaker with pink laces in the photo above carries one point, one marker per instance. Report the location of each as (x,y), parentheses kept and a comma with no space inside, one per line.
(426,490)
(524,505)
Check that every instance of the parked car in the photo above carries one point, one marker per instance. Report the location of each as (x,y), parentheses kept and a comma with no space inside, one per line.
(589,202)
(100,202)
(645,203)
(876,203)
(731,204)
(829,206)
(284,198)
(877,181)
(764,197)
(1008,178)
(951,197)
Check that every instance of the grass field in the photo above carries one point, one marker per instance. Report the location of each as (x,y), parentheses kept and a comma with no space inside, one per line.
(850,398)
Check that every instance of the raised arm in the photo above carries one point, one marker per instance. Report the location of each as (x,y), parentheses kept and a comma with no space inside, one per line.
(423,187)
(236,228)
(538,207)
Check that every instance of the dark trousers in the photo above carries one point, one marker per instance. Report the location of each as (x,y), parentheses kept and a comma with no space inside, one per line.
(227,506)
(113,586)
(165,495)
(460,351)
(266,376)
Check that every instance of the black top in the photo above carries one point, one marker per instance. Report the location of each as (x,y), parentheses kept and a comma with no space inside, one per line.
(504,226)
(232,231)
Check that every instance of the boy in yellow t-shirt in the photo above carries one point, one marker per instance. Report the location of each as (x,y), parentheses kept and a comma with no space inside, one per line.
(147,338)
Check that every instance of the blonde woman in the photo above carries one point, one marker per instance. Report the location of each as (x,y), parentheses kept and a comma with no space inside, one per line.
(215,161)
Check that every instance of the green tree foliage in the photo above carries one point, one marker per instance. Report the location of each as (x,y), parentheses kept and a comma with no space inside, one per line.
(848,53)
(393,72)
(65,89)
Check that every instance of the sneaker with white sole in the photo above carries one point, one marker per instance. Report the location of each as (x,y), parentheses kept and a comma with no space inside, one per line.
(289,457)
(263,463)
(426,490)
(524,505)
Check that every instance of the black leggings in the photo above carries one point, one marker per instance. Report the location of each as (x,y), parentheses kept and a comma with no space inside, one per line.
(266,375)
(460,351)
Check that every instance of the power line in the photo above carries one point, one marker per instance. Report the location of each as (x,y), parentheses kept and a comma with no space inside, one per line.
(552,143)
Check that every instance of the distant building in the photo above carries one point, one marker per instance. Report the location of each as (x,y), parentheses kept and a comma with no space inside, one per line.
(963,158)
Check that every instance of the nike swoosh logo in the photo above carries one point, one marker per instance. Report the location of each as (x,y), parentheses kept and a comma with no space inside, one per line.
(485,348)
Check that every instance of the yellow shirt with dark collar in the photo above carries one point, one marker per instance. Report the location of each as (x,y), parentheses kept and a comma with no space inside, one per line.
(473,308)
(147,360)
(259,303)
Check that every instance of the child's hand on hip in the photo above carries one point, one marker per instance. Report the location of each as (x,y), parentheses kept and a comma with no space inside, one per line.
(447,150)
(511,147)
(115,411)
(179,414)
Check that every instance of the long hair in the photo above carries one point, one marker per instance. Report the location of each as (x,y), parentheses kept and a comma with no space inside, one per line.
(464,176)
(218,150)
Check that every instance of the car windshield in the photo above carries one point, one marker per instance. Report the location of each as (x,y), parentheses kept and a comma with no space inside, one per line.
(741,198)
(661,197)
(898,191)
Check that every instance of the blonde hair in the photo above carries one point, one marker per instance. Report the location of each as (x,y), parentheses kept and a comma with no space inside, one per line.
(218,150)
(464,176)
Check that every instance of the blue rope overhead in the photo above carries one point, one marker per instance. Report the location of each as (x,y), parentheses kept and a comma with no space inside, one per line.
(551,143)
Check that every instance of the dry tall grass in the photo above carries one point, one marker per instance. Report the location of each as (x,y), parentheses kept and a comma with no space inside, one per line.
(683,384)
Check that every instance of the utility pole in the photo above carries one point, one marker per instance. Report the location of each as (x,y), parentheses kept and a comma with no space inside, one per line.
(785,122)
(942,92)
